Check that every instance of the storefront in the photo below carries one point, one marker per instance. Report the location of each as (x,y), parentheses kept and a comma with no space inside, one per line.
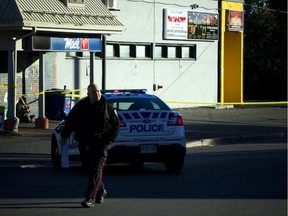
(31,30)
(188,55)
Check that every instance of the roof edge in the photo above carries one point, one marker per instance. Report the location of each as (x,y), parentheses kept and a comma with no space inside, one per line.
(100,30)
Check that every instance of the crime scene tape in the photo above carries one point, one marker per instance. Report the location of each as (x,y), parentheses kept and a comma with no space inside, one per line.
(58,91)
(228,103)
(71,93)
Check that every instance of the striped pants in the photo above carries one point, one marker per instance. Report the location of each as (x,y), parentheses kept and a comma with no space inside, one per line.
(93,158)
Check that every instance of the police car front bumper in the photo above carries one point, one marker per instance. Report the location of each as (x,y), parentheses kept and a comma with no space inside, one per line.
(130,154)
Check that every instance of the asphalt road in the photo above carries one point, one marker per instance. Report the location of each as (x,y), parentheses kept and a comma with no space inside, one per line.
(238,179)
(245,176)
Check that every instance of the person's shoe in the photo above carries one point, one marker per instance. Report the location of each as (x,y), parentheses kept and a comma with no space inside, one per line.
(100,199)
(88,203)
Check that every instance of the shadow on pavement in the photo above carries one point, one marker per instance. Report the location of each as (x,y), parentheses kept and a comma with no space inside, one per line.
(207,175)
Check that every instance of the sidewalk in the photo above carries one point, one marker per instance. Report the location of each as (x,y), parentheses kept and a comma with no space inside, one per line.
(207,126)
(241,124)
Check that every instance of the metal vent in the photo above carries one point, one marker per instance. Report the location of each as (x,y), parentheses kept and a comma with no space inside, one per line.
(111,4)
(74,3)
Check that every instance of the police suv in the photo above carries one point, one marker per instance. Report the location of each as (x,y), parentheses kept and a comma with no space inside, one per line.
(149,132)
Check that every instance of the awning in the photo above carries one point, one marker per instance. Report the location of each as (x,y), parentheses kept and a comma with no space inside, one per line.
(92,16)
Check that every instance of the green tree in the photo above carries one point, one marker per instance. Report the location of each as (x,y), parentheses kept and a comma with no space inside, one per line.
(265,50)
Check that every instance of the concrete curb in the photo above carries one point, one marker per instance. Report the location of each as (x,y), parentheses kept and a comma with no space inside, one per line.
(236,139)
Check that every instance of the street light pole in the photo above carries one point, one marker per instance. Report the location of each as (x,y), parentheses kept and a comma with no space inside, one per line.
(220,69)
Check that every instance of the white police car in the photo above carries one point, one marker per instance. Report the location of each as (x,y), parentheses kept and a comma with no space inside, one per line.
(149,132)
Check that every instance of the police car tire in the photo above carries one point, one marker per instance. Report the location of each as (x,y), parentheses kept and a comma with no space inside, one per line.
(175,165)
(55,156)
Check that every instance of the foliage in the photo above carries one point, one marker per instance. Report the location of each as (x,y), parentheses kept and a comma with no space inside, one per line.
(265,50)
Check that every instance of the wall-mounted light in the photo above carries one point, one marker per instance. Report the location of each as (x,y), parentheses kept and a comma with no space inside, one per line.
(194,6)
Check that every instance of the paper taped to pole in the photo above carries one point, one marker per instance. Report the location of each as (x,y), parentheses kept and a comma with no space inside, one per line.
(64,155)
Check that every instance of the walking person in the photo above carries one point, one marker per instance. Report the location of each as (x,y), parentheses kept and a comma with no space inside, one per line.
(95,124)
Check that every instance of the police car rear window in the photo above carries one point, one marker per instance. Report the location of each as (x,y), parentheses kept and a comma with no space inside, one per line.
(123,104)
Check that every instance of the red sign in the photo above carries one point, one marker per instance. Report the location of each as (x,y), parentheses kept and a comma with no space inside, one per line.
(235,20)
(84,44)
(68,103)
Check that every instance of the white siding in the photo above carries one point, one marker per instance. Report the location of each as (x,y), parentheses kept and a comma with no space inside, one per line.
(183,79)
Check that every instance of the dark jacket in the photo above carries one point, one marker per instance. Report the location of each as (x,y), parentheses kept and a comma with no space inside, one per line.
(92,121)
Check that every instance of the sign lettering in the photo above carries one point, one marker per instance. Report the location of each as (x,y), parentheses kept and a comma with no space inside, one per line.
(75,44)
(146,128)
(71,43)
(176,19)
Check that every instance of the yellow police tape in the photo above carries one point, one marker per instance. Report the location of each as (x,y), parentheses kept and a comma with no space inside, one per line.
(229,103)
(69,93)
(60,91)
(202,102)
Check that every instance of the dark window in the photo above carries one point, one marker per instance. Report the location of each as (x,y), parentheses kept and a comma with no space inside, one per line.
(138,104)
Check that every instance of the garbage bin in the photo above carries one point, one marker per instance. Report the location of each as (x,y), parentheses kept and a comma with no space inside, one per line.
(57,104)
(3,114)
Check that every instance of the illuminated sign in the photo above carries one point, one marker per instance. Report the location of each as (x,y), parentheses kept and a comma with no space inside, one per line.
(63,44)
(75,44)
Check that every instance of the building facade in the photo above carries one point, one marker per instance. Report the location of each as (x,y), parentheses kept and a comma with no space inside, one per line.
(169,48)
(187,54)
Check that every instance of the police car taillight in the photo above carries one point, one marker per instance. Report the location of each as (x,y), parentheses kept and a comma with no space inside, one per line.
(175,121)
(122,124)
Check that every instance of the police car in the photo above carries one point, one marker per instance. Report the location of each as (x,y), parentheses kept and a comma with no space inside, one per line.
(149,132)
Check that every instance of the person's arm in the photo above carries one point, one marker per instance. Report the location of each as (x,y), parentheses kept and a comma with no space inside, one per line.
(114,122)
(70,123)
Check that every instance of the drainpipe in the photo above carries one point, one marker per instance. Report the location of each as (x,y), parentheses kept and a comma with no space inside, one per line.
(154,46)
(34,30)
(104,61)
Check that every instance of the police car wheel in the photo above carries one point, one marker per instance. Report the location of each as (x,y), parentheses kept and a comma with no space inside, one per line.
(55,156)
(175,165)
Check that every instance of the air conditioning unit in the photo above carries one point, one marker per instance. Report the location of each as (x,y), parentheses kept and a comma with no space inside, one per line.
(74,3)
(111,4)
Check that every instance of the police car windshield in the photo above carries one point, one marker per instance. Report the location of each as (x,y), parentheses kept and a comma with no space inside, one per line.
(122,104)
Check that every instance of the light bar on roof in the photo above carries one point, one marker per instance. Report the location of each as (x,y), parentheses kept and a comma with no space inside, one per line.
(124,91)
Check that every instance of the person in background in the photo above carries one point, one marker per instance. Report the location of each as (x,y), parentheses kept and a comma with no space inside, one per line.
(23,111)
(96,125)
